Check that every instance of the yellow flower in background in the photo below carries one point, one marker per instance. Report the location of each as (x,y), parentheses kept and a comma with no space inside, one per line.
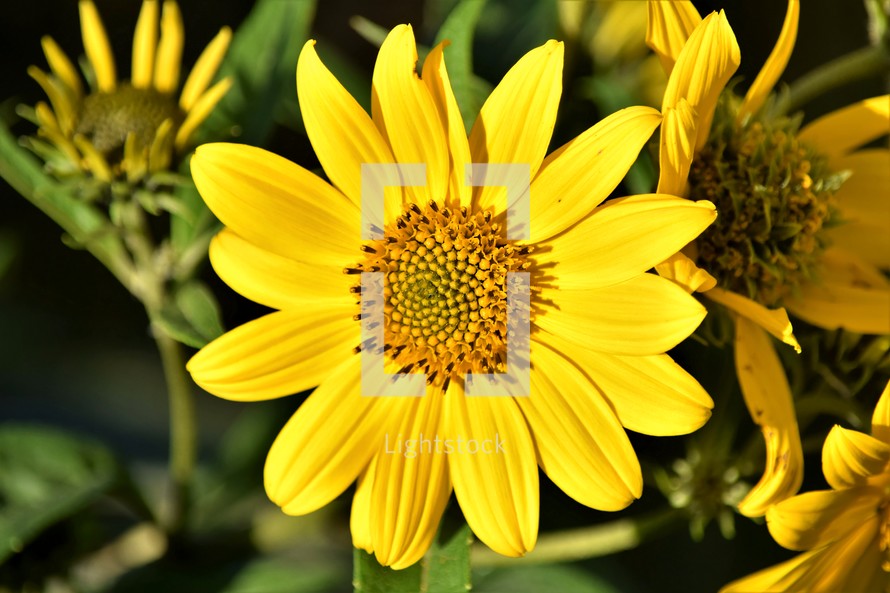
(844,532)
(126,129)
(785,217)
(599,323)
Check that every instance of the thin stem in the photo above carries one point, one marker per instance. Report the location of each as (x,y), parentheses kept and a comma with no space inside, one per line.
(851,67)
(183,434)
(588,542)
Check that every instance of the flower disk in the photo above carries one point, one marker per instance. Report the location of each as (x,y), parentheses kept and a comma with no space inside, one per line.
(445,298)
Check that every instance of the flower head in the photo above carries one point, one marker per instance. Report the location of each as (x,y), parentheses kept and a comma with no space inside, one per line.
(599,323)
(129,129)
(844,532)
(781,196)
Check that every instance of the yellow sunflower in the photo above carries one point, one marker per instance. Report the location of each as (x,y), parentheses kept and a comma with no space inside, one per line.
(844,532)
(599,323)
(791,233)
(126,129)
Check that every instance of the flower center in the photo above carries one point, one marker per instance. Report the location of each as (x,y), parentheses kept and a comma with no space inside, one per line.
(107,118)
(445,296)
(774,195)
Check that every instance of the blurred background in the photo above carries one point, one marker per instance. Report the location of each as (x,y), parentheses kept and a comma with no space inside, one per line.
(75,352)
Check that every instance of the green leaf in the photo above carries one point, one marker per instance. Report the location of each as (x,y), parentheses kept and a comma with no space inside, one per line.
(262,62)
(534,579)
(192,317)
(47,475)
(370,577)
(447,565)
(470,91)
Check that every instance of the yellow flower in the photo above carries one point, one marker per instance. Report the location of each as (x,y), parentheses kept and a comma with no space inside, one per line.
(126,128)
(599,323)
(777,191)
(844,532)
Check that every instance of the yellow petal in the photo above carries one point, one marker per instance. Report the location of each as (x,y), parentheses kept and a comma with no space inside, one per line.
(277,204)
(412,121)
(435,76)
(582,173)
(411,485)
(880,420)
(360,515)
(775,321)
(581,445)
(851,564)
(95,43)
(328,441)
(134,162)
(200,110)
(516,121)
(94,160)
(497,492)
(275,281)
(813,519)
(169,55)
(62,101)
(769,401)
(650,394)
(681,270)
(670,25)
(643,315)
(676,148)
(145,41)
(161,151)
(276,355)
(704,66)
(204,69)
(622,239)
(341,133)
(843,130)
(61,66)
(863,198)
(774,66)
(867,238)
(834,304)
(849,457)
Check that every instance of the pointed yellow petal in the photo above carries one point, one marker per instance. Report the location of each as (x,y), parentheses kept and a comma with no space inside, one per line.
(849,457)
(435,76)
(880,420)
(204,69)
(863,197)
(277,204)
(643,315)
(582,173)
(817,518)
(774,66)
(704,66)
(61,101)
(145,42)
(581,445)
(622,239)
(341,133)
(843,130)
(670,25)
(169,56)
(275,281)
(516,121)
(775,321)
(411,485)
(161,152)
(61,66)
(200,110)
(676,148)
(94,160)
(134,163)
(680,269)
(328,441)
(276,355)
(360,515)
(650,394)
(95,43)
(412,121)
(50,128)
(769,401)
(498,491)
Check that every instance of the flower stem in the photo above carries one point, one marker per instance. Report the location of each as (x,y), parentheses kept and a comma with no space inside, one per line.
(589,542)
(851,67)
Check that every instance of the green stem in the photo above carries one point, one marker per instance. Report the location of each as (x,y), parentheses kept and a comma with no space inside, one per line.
(589,542)
(851,67)
(183,433)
